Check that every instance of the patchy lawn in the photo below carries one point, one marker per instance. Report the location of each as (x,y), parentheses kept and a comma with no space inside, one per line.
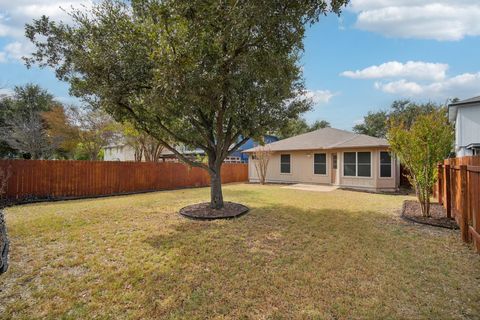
(297,254)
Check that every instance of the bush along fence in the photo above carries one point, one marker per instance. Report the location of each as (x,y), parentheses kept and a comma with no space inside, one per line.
(458,190)
(32,180)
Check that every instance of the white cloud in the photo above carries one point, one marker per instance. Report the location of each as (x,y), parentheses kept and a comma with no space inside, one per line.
(463,85)
(411,69)
(5,92)
(359,121)
(419,79)
(15,14)
(319,96)
(443,20)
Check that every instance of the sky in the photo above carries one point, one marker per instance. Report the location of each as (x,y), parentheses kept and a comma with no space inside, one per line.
(376,52)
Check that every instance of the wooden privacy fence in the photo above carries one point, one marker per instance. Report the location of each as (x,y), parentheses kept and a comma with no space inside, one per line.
(458,190)
(58,179)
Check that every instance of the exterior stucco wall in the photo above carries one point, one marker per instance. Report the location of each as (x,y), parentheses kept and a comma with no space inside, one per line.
(302,170)
(119,153)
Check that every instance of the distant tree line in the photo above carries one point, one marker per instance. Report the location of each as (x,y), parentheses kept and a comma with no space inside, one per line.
(376,123)
(35,125)
(298,126)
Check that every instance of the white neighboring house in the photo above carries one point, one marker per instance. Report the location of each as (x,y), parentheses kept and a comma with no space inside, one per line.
(119,152)
(465,115)
(124,152)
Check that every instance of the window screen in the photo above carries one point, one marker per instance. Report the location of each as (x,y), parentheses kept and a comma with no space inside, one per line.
(364,164)
(320,163)
(285,163)
(385,164)
(349,164)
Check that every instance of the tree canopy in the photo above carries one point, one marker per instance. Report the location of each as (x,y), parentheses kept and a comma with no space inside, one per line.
(298,126)
(420,145)
(22,129)
(203,72)
(376,124)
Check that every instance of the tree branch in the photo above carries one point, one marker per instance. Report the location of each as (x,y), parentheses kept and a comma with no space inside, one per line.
(179,155)
(236,146)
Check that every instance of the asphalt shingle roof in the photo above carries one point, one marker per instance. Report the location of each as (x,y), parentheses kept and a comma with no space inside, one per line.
(327,138)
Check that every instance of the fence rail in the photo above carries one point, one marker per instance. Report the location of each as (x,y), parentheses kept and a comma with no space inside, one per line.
(57,179)
(458,190)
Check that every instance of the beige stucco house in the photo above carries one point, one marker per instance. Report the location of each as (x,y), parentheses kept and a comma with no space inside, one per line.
(331,156)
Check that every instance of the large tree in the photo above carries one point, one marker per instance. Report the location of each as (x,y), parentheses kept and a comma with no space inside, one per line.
(27,135)
(204,72)
(22,130)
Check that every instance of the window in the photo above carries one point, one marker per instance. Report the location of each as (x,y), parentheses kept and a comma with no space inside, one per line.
(334,159)
(385,164)
(350,164)
(364,164)
(320,163)
(357,164)
(285,163)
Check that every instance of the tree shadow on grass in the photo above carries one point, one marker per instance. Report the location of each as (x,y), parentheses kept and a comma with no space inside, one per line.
(285,261)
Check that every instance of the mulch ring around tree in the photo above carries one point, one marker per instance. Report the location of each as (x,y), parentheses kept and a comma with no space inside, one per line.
(202,211)
(412,211)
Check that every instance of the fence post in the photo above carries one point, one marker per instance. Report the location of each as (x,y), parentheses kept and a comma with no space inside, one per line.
(464,204)
(448,196)
(440,183)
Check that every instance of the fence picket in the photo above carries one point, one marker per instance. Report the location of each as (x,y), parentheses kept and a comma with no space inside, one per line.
(461,182)
(46,179)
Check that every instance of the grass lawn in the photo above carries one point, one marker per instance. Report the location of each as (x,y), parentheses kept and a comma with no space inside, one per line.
(297,254)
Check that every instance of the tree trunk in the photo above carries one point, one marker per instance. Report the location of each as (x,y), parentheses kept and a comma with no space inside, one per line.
(216,195)
(4,244)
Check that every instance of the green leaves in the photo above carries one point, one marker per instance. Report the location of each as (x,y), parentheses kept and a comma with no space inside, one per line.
(208,74)
(420,148)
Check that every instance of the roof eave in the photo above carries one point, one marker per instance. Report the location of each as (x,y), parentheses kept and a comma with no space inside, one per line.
(313,149)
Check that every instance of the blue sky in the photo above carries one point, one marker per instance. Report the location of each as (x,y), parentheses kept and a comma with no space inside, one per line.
(378,51)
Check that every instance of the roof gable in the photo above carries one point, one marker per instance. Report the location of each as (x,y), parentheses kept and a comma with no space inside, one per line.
(326,138)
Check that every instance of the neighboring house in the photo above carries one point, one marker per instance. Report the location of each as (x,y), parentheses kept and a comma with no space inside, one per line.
(250,144)
(118,152)
(465,115)
(331,156)
(124,152)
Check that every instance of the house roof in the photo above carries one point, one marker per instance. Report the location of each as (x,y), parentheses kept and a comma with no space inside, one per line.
(453,107)
(466,101)
(326,138)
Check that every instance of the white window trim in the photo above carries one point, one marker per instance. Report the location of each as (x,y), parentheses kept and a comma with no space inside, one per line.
(326,164)
(286,173)
(380,166)
(356,176)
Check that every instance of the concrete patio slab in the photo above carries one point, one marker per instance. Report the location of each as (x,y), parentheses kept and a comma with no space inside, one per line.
(311,187)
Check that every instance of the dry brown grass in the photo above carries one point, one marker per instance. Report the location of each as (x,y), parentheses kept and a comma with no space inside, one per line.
(297,254)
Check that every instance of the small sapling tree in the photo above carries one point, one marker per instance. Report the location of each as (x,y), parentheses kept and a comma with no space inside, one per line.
(420,148)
